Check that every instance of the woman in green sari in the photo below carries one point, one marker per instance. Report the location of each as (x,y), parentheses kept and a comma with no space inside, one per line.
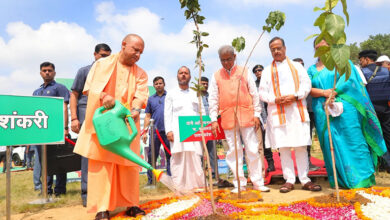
(356,132)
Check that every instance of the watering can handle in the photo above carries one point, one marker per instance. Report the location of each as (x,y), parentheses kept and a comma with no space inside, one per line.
(133,127)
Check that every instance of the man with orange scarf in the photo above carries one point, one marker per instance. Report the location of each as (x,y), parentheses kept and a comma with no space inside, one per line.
(112,180)
(285,85)
(223,101)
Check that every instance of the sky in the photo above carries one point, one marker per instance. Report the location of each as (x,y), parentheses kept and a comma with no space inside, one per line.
(66,32)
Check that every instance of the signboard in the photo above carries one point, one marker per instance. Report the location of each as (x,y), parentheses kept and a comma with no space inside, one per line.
(31,120)
(189,129)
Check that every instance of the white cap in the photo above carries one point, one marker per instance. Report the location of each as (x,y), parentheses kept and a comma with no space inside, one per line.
(382,59)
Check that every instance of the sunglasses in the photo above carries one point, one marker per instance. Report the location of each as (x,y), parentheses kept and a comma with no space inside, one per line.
(258,70)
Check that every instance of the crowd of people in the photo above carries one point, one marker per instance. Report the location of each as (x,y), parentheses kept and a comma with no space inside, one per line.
(275,112)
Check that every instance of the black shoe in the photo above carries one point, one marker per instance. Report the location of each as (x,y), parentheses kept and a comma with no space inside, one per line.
(84,202)
(271,167)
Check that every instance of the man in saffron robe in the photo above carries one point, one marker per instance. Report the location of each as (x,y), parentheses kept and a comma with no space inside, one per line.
(285,86)
(223,101)
(113,181)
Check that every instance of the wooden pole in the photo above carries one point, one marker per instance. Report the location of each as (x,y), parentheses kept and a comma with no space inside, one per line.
(44,172)
(152,149)
(8,182)
(215,161)
(330,138)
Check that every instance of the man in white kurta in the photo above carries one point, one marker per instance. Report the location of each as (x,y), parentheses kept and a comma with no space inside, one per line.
(186,165)
(285,85)
(223,100)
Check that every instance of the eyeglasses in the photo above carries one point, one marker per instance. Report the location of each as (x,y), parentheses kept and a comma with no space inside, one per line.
(227,60)
(258,70)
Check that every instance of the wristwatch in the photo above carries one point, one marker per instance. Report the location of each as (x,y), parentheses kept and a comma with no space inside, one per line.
(296,96)
(136,109)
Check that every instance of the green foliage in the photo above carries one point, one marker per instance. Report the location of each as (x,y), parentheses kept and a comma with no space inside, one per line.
(239,43)
(192,13)
(379,42)
(198,88)
(275,20)
(354,51)
(332,26)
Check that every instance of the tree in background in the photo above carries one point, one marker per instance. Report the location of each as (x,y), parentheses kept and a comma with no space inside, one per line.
(379,42)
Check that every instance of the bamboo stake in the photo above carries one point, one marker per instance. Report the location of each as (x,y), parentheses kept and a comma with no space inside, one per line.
(330,137)
(235,112)
(202,127)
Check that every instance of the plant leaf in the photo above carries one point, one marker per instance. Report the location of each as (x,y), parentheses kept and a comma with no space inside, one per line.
(334,25)
(340,54)
(333,4)
(347,71)
(327,61)
(318,9)
(344,2)
(311,36)
(238,43)
(321,51)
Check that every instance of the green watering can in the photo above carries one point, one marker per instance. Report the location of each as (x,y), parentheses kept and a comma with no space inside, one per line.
(113,134)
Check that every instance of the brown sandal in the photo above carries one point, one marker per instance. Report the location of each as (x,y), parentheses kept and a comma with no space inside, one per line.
(310,186)
(287,187)
(134,211)
(102,215)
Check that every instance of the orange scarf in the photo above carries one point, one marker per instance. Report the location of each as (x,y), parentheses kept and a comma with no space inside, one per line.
(276,86)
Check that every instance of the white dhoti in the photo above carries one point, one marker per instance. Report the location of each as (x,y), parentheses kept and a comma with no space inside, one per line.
(252,156)
(287,162)
(186,170)
(294,130)
(186,165)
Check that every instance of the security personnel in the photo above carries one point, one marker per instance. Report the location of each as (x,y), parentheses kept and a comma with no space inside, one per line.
(378,87)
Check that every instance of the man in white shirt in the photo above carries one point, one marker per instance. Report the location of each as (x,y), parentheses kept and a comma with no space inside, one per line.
(246,121)
(285,86)
(186,165)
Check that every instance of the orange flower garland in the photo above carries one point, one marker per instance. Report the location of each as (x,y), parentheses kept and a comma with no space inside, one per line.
(262,210)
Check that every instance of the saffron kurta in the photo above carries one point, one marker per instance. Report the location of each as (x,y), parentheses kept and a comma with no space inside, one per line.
(112,180)
(293,133)
(186,166)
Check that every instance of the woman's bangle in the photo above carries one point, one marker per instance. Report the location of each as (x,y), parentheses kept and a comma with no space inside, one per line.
(73,119)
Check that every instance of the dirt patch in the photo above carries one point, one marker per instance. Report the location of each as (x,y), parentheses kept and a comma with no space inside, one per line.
(244,196)
(331,198)
(214,217)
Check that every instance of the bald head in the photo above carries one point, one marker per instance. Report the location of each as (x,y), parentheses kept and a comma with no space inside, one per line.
(133,37)
(132,48)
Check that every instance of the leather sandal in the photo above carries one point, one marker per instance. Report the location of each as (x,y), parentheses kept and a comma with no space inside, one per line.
(287,187)
(135,211)
(310,186)
(102,215)
(224,184)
